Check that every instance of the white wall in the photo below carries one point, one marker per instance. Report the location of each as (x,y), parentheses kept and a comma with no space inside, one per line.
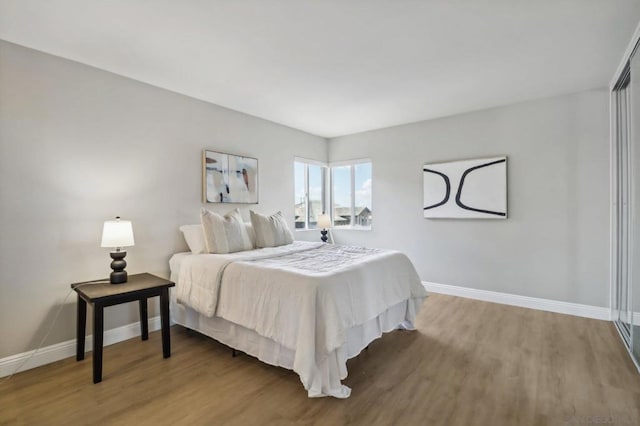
(555,243)
(79,146)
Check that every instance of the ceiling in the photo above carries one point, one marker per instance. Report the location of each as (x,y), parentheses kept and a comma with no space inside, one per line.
(336,67)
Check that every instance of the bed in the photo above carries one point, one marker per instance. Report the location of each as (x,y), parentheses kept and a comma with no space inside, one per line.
(304,306)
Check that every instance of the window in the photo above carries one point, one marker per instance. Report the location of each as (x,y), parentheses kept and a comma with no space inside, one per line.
(351,195)
(309,180)
(351,205)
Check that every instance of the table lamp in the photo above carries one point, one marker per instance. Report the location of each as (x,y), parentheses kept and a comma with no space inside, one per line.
(117,234)
(324,222)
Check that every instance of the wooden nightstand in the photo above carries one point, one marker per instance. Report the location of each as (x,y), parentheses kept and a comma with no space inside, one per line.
(102,294)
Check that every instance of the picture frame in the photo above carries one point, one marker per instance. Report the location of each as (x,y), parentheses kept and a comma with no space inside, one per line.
(467,189)
(229,178)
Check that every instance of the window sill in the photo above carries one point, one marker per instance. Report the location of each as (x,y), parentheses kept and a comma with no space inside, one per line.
(342,228)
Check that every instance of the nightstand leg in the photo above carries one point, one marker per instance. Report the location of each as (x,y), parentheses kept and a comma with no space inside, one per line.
(81,328)
(98,317)
(164,319)
(144,321)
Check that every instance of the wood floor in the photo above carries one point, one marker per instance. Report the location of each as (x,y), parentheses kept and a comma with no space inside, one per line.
(469,363)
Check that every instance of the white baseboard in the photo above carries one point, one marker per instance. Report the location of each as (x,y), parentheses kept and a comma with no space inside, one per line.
(576,309)
(48,354)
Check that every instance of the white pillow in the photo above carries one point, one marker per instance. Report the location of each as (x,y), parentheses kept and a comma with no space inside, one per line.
(224,234)
(251,233)
(194,236)
(271,231)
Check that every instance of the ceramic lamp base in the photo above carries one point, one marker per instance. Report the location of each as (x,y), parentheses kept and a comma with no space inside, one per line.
(119,275)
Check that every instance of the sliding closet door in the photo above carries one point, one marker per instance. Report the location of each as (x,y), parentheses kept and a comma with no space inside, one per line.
(634,199)
(621,155)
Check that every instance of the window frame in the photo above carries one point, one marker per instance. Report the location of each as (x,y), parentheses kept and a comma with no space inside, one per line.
(327,194)
(323,192)
(352,206)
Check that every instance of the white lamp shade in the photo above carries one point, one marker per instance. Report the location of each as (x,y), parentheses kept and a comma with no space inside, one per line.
(117,233)
(324,221)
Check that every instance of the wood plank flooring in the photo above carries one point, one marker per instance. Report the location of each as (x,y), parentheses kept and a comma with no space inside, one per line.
(469,363)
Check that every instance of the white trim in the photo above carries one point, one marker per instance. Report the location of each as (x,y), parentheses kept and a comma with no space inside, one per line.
(307,201)
(62,350)
(627,56)
(309,161)
(353,228)
(613,209)
(627,347)
(352,183)
(587,311)
(307,209)
(342,163)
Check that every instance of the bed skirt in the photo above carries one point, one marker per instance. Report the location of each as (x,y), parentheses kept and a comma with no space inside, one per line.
(333,369)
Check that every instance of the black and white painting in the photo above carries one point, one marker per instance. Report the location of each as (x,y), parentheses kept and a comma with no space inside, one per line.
(470,189)
(229,178)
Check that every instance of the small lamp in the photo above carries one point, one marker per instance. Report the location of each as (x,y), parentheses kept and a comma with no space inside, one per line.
(324,222)
(117,234)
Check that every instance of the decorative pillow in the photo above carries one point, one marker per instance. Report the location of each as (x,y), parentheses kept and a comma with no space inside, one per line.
(194,236)
(251,232)
(224,234)
(271,231)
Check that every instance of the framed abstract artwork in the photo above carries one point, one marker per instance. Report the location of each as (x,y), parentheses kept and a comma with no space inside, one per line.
(470,189)
(228,178)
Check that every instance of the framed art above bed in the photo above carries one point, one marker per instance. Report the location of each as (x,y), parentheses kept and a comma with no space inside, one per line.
(228,178)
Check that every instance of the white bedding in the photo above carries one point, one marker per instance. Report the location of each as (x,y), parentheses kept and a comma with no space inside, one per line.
(304,296)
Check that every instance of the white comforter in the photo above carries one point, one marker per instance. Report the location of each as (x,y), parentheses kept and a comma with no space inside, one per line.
(303,296)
